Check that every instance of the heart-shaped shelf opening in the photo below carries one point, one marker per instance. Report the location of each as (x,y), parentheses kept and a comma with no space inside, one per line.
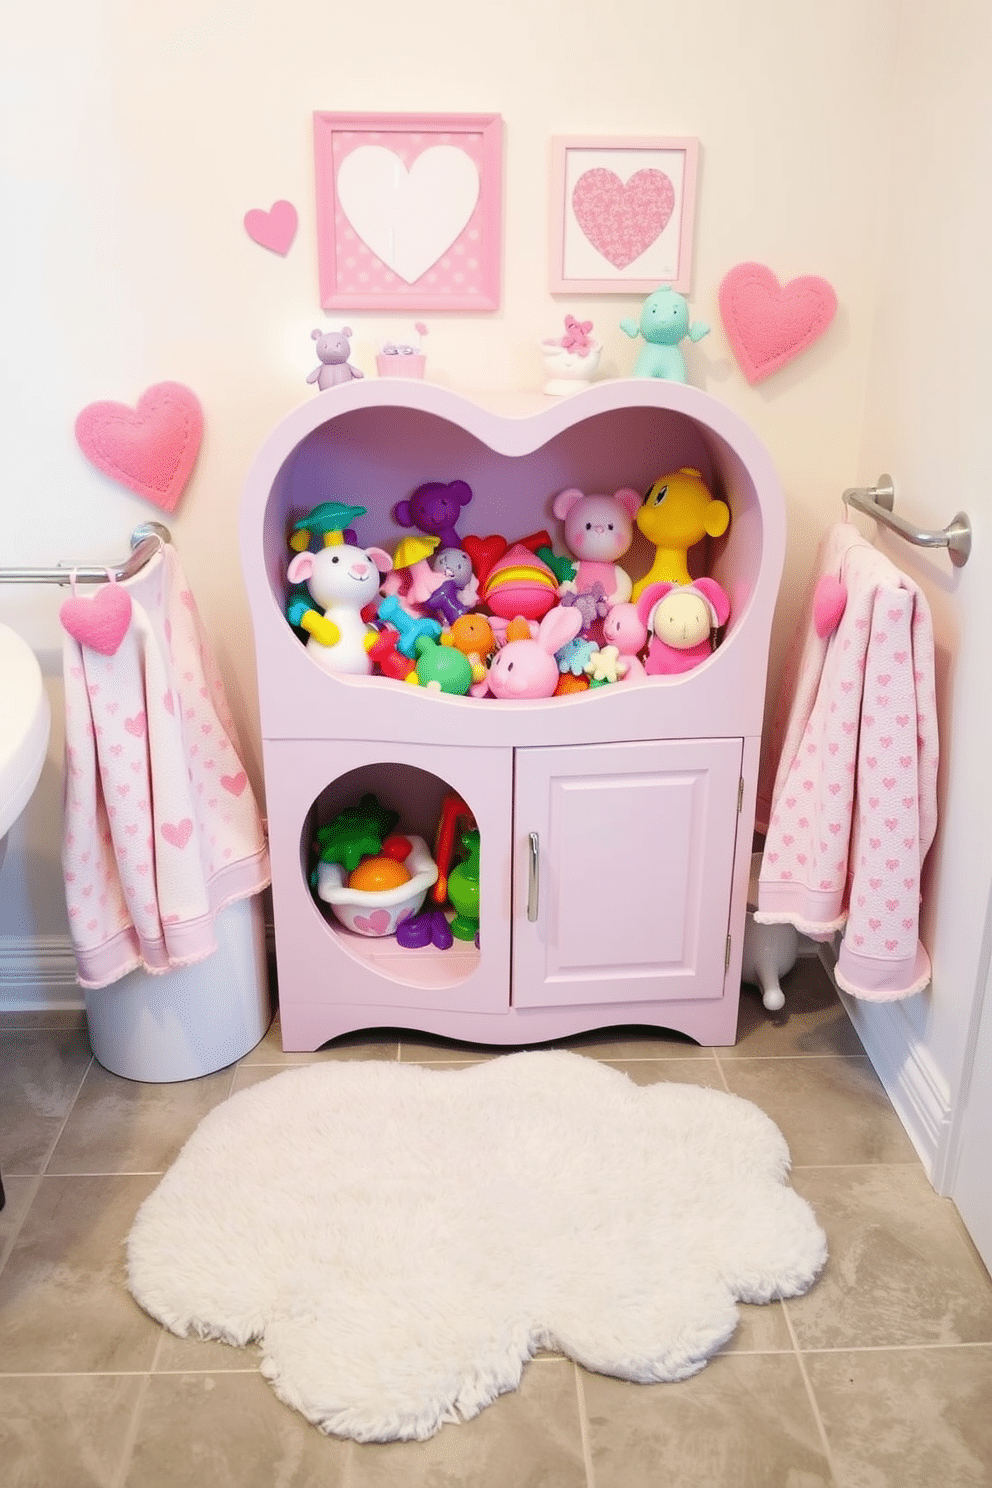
(372,444)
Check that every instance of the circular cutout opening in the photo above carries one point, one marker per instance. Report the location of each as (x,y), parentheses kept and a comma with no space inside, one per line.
(391,856)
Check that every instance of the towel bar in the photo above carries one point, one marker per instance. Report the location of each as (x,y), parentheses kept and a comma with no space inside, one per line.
(877,501)
(147,539)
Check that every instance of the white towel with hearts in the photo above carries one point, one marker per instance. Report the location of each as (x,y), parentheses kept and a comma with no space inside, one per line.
(161,829)
(854,803)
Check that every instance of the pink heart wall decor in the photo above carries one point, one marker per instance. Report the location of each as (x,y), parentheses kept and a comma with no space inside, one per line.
(621,220)
(768,324)
(274,229)
(150,449)
(101,622)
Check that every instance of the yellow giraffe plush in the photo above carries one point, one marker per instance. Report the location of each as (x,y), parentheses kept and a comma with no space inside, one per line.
(678,511)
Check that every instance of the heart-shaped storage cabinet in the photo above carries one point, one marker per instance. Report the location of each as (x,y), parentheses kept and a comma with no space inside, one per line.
(615,825)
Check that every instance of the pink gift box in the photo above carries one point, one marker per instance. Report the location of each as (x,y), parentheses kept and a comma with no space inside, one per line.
(400,366)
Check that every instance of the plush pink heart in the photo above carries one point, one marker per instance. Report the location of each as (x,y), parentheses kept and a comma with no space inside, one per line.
(101,622)
(768,324)
(274,229)
(829,604)
(620,220)
(151,449)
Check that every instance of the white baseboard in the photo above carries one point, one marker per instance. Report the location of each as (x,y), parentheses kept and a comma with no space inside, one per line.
(918,1091)
(38,973)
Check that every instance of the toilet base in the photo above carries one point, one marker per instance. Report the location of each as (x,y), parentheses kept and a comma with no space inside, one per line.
(769,950)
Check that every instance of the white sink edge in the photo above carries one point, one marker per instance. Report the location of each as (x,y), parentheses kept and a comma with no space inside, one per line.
(24,754)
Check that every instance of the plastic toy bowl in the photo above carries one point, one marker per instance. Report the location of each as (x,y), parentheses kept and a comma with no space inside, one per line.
(566,370)
(370,912)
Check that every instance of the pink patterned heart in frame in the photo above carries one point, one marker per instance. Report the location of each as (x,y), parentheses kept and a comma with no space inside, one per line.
(622,219)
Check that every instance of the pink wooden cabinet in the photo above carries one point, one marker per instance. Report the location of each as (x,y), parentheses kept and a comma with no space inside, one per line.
(616,826)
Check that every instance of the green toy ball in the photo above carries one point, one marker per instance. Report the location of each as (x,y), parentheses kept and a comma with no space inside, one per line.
(443,668)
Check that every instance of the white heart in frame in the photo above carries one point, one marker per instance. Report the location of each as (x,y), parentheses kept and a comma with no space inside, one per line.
(408,217)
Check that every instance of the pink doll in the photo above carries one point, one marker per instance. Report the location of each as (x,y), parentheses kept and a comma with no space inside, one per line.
(527,668)
(681,618)
(624,629)
(598,531)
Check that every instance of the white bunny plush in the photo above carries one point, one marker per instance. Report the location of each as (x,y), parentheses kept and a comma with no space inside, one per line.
(342,579)
(527,668)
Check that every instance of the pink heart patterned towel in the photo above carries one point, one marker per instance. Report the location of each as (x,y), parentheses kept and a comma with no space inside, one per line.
(161,830)
(853,807)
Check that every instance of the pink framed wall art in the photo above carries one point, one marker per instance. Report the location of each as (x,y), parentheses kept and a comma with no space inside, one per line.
(621,214)
(409,211)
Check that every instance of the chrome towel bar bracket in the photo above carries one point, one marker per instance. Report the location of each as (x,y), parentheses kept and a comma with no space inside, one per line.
(147,539)
(878,500)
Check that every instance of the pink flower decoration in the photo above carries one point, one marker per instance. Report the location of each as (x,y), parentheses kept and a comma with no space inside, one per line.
(576,337)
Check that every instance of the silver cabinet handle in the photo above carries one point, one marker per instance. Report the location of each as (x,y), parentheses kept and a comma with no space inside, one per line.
(533,876)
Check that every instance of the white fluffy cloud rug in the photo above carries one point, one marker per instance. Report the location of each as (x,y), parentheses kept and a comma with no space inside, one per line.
(401,1240)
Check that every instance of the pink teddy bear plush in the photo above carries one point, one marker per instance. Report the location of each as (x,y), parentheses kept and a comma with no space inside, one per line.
(680,619)
(598,531)
(624,628)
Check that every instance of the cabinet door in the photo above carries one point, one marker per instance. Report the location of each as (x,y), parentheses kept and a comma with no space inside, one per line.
(623,857)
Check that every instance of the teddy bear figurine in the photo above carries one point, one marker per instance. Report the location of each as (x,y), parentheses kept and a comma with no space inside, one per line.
(333,349)
(598,531)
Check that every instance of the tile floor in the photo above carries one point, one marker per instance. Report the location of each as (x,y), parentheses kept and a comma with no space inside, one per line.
(881,1375)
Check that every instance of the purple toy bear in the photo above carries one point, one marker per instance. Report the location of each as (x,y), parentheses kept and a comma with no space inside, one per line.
(333,349)
(434,508)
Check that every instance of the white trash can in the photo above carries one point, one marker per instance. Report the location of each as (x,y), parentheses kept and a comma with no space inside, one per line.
(191,1021)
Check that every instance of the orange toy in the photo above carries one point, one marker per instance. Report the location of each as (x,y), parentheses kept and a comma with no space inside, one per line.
(376,875)
(472,635)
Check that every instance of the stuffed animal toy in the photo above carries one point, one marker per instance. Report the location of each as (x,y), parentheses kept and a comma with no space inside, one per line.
(434,508)
(342,579)
(527,668)
(333,349)
(598,531)
(664,323)
(440,582)
(677,513)
(681,619)
(624,629)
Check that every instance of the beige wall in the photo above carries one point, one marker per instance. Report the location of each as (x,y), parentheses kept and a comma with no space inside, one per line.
(926,420)
(135,138)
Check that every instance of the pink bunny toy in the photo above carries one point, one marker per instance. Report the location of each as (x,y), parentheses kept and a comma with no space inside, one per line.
(681,618)
(527,668)
(598,531)
(625,629)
